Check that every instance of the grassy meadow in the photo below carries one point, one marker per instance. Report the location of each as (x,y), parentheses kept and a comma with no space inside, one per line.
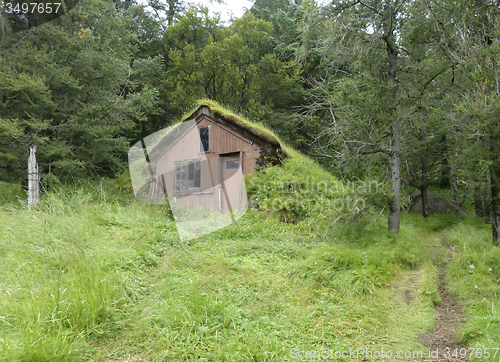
(91,277)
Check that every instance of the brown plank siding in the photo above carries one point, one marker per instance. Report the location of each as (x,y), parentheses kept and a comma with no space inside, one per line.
(222,140)
(225,139)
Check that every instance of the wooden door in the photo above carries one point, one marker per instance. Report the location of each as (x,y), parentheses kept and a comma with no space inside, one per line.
(231,181)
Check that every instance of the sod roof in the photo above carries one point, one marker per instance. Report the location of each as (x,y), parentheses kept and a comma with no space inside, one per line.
(257,129)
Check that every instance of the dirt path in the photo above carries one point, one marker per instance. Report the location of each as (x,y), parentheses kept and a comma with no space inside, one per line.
(441,339)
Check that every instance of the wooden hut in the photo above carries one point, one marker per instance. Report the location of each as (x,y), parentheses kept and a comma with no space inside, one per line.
(201,160)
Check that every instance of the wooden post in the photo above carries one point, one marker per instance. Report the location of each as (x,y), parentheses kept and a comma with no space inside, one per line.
(33,178)
(102,190)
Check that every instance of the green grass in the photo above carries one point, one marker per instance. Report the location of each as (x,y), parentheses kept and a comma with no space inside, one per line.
(11,193)
(107,279)
(475,279)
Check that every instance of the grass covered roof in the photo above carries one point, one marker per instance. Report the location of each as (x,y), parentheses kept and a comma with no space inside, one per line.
(257,129)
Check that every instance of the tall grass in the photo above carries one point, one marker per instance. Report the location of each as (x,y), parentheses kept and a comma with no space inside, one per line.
(67,272)
(93,278)
(475,280)
(10,193)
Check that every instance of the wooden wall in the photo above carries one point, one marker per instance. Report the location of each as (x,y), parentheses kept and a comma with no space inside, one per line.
(222,140)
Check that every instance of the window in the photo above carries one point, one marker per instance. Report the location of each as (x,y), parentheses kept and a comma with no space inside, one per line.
(187,175)
(204,139)
(232,165)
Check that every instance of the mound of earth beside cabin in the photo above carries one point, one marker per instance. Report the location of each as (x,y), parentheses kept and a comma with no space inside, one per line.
(437,205)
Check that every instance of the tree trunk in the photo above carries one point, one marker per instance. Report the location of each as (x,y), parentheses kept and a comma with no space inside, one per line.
(171,11)
(392,55)
(464,195)
(487,209)
(454,186)
(425,202)
(445,167)
(425,177)
(495,203)
(395,208)
(478,202)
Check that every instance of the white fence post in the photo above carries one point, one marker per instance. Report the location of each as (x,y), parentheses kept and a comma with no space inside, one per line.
(33,178)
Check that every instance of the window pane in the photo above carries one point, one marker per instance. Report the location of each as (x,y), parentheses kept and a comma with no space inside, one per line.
(190,171)
(197,177)
(187,175)
(232,164)
(204,139)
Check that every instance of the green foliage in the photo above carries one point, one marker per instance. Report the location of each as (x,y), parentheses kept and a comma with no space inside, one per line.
(68,87)
(300,189)
(235,66)
(474,276)
(284,15)
(16,136)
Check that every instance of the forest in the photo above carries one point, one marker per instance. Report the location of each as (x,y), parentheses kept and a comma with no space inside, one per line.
(399,95)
